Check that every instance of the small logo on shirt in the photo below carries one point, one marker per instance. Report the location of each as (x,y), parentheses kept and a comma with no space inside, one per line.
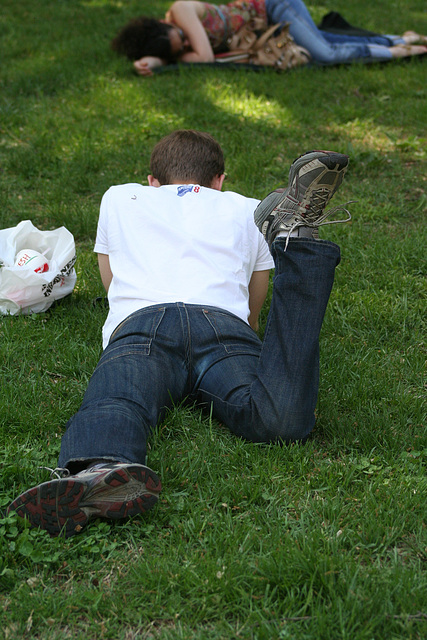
(187,188)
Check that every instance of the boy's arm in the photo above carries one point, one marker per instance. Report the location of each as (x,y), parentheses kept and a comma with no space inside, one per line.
(105,270)
(258,288)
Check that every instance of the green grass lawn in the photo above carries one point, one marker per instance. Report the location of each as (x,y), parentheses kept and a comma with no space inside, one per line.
(321,541)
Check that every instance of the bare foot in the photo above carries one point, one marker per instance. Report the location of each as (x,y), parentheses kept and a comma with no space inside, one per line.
(412,37)
(406,50)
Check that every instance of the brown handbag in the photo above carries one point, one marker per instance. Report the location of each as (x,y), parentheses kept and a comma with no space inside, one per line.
(273,48)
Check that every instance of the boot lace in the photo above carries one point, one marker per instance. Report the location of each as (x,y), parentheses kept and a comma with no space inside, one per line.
(57,473)
(318,201)
(316,218)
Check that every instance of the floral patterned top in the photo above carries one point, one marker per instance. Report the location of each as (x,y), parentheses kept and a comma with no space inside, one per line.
(222,21)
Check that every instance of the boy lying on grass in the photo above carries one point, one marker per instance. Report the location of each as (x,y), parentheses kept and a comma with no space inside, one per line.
(186,267)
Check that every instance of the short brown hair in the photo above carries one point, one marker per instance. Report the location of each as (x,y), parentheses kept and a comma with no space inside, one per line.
(187,156)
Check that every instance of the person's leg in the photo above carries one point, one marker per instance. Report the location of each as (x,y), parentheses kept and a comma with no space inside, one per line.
(341,38)
(326,48)
(269,394)
(141,372)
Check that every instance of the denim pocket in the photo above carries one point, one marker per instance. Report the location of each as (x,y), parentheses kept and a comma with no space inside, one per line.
(233,334)
(135,334)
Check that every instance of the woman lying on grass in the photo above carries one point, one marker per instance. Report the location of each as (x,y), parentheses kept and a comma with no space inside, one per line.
(194,31)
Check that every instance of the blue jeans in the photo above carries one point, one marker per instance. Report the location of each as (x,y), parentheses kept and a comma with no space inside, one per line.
(262,391)
(324,47)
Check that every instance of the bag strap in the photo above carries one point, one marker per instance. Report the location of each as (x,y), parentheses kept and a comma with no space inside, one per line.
(226,29)
(260,42)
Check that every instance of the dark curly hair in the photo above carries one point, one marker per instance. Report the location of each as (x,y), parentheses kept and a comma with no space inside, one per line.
(144,37)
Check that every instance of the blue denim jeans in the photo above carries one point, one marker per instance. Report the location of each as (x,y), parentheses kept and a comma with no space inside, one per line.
(262,391)
(324,47)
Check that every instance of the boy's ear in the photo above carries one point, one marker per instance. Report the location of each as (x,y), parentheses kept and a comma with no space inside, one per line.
(217,182)
(153,182)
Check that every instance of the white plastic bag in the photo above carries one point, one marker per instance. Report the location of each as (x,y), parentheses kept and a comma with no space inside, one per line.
(22,290)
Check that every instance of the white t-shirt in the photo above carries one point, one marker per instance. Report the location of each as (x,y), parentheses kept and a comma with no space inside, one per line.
(178,243)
